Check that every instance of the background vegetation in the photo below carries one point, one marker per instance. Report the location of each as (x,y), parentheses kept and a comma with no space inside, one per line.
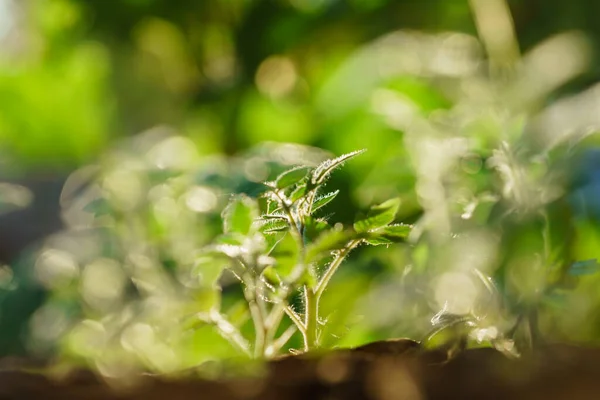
(480,116)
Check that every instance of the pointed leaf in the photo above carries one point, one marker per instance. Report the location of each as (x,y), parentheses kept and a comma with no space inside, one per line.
(208,269)
(378,240)
(298,193)
(291,177)
(271,276)
(313,227)
(285,253)
(395,232)
(322,172)
(274,225)
(378,216)
(322,201)
(239,215)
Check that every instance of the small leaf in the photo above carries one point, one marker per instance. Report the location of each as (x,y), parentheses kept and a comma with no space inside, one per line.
(208,299)
(285,253)
(322,201)
(397,230)
(298,193)
(322,172)
(274,225)
(291,177)
(271,276)
(234,239)
(313,227)
(585,267)
(378,216)
(208,269)
(378,240)
(239,215)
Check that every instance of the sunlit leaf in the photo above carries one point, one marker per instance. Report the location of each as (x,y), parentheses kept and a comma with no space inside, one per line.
(376,240)
(285,253)
(208,299)
(322,201)
(208,269)
(395,232)
(239,215)
(291,177)
(238,314)
(322,172)
(298,193)
(233,238)
(274,225)
(271,276)
(378,216)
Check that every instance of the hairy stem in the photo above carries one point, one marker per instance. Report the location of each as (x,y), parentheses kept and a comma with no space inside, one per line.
(311,319)
(337,261)
(295,319)
(258,318)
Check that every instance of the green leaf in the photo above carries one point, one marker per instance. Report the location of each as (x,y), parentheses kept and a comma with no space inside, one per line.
(313,227)
(322,172)
(239,215)
(208,269)
(378,216)
(377,240)
(208,299)
(327,242)
(298,193)
(233,238)
(271,276)
(285,253)
(322,201)
(395,232)
(274,225)
(387,235)
(291,177)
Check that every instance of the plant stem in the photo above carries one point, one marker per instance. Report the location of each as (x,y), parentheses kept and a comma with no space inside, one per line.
(230,332)
(281,340)
(251,294)
(322,285)
(295,319)
(311,319)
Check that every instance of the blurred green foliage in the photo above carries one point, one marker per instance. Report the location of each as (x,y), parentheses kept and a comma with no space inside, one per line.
(479,117)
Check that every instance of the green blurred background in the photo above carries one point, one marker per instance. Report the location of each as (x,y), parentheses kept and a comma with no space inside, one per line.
(232,78)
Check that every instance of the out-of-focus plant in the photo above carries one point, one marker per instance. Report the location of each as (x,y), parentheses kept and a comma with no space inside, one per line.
(491,155)
(138,278)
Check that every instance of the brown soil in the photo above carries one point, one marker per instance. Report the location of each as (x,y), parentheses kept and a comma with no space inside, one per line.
(390,370)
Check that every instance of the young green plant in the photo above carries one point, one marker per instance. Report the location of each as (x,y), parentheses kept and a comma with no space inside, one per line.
(277,246)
